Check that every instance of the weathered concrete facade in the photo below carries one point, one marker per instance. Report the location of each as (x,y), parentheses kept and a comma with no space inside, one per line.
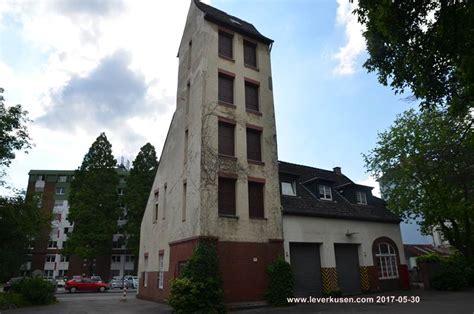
(183,204)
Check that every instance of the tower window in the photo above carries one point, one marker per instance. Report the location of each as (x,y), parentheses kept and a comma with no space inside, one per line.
(225,44)
(226,88)
(256,200)
(226,202)
(325,192)
(254,150)
(226,139)
(250,54)
(251,96)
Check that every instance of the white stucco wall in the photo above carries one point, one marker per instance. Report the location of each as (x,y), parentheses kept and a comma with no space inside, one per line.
(328,231)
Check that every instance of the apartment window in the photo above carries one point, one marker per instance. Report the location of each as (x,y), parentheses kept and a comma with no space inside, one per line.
(117,244)
(62,178)
(122,180)
(129,258)
(288,188)
(361,198)
(64,258)
(325,192)
(116,258)
(40,177)
(386,261)
(251,96)
(226,139)
(50,258)
(226,202)
(225,44)
(256,200)
(226,88)
(48,273)
(250,54)
(161,272)
(254,149)
(145,279)
(62,273)
(52,244)
(183,213)
(60,190)
(155,213)
(121,191)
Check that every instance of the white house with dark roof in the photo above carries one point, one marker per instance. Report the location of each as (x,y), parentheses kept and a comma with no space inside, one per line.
(337,235)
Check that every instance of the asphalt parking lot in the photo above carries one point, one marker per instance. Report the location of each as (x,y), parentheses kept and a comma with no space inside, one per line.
(431,302)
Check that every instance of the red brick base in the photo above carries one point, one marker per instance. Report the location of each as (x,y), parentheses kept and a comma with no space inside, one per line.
(242,265)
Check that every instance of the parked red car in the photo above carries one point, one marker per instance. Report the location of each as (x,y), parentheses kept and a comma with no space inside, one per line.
(85,284)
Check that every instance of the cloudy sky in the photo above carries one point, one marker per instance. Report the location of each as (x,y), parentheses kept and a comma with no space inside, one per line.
(83,67)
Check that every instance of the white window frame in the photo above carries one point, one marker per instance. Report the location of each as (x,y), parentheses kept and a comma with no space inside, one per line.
(121,191)
(129,258)
(325,192)
(60,190)
(161,272)
(48,273)
(62,179)
(52,244)
(62,272)
(64,259)
(361,198)
(387,262)
(290,188)
(50,258)
(116,258)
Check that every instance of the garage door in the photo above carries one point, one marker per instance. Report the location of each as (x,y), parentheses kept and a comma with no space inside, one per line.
(347,265)
(306,265)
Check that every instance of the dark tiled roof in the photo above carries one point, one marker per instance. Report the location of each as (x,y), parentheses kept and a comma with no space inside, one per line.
(307,204)
(234,23)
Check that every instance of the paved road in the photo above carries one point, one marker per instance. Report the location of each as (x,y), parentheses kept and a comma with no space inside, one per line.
(432,302)
(108,302)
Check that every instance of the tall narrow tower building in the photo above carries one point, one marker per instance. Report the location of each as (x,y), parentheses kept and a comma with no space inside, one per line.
(218,174)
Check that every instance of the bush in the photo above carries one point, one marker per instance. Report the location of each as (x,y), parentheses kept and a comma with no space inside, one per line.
(280,285)
(199,288)
(449,277)
(429,258)
(12,300)
(35,291)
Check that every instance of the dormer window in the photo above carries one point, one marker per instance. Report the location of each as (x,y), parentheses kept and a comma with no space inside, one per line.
(325,192)
(361,198)
(288,188)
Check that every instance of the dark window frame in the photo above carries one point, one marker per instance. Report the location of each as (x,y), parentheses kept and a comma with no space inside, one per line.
(254,153)
(250,54)
(225,94)
(227,196)
(252,96)
(226,143)
(256,197)
(223,48)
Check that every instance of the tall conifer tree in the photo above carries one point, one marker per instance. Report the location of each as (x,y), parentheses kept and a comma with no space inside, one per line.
(94,203)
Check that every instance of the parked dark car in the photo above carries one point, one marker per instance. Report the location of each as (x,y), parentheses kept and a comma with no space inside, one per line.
(85,284)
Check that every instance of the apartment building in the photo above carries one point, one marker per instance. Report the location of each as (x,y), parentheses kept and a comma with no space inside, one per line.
(52,187)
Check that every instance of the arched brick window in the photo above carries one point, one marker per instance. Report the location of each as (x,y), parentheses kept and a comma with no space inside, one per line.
(386,258)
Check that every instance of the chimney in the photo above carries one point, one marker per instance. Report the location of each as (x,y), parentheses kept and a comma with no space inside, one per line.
(337,170)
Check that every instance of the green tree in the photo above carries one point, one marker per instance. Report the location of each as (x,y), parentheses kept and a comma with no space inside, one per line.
(13,134)
(426,46)
(20,222)
(93,203)
(199,287)
(139,183)
(425,162)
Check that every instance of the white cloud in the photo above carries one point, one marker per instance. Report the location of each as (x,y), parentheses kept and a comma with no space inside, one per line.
(71,41)
(370,181)
(355,43)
